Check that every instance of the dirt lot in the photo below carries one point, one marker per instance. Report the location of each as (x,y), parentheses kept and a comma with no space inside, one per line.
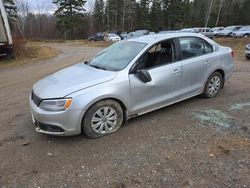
(195,143)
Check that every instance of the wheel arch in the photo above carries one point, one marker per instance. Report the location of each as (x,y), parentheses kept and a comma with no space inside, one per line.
(119,101)
(222,72)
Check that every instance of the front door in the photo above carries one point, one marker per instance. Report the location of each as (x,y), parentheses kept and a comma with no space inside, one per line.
(165,72)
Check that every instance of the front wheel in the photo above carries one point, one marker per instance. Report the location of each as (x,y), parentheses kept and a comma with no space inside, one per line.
(213,85)
(103,118)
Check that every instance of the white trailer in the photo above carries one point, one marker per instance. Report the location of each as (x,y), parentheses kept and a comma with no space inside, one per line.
(5,34)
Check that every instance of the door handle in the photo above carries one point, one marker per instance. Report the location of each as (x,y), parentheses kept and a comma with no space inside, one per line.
(176,71)
(207,63)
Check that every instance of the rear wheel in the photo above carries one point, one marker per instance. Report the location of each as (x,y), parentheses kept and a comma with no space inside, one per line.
(246,35)
(103,118)
(213,85)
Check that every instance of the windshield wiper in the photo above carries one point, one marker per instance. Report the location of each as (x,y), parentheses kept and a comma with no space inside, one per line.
(95,66)
(98,67)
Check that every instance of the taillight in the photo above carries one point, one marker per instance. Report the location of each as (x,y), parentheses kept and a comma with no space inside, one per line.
(232,53)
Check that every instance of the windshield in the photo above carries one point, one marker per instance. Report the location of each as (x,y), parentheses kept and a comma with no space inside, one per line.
(229,28)
(140,32)
(247,28)
(117,56)
(112,35)
(186,30)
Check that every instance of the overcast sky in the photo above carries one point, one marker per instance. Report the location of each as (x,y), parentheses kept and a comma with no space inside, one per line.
(47,6)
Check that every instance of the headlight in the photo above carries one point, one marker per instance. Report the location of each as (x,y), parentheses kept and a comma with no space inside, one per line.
(55,105)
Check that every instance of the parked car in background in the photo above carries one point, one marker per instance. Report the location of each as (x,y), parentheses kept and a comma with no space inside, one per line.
(114,32)
(206,31)
(242,32)
(138,33)
(127,79)
(123,35)
(228,31)
(217,29)
(112,37)
(97,37)
(129,35)
(248,51)
(189,30)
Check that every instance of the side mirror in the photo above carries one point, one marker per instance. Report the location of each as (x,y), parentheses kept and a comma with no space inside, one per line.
(143,75)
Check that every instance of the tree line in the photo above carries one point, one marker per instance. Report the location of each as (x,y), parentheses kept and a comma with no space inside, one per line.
(71,21)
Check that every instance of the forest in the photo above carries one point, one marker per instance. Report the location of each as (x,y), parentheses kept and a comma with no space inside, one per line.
(71,21)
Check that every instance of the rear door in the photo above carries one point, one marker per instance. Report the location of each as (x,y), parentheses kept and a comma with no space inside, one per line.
(197,57)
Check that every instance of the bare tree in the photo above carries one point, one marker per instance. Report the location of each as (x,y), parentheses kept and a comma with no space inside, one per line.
(23,11)
(123,14)
(219,11)
(208,12)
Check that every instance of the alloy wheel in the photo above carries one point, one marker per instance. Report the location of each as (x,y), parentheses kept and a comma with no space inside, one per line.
(104,120)
(214,85)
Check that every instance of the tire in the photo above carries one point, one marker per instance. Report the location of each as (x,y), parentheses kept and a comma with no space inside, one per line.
(96,122)
(248,57)
(213,86)
(246,35)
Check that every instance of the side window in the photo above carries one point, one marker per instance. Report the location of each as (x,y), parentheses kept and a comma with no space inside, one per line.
(194,47)
(160,54)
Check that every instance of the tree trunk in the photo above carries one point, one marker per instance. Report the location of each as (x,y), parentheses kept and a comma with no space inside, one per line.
(219,11)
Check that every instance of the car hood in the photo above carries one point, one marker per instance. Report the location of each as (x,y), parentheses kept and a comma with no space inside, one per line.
(70,80)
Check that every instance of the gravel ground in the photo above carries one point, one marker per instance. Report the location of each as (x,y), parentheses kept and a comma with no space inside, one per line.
(195,143)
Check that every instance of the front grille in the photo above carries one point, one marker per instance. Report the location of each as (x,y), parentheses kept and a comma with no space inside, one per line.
(36,99)
(49,128)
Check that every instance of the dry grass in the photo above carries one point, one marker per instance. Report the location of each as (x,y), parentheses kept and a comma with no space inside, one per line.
(237,44)
(37,52)
(32,52)
(89,43)
(73,43)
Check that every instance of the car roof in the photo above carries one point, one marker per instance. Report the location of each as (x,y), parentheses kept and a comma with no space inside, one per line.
(151,39)
(234,26)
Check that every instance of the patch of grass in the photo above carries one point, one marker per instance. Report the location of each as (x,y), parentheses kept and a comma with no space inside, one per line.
(73,43)
(30,53)
(90,43)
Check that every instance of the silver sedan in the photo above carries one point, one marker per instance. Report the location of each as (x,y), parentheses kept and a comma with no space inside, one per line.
(127,79)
